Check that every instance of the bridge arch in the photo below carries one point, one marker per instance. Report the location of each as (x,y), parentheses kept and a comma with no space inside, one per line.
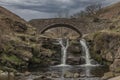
(60,25)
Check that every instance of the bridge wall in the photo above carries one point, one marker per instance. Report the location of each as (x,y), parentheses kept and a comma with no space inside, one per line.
(83,27)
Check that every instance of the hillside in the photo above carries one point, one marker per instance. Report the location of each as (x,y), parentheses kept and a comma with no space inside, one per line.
(18,42)
(13,30)
(112,11)
(105,44)
(9,22)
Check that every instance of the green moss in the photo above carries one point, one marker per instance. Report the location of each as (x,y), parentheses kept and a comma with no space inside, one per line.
(35,50)
(7,48)
(35,60)
(97,57)
(105,62)
(12,58)
(4,68)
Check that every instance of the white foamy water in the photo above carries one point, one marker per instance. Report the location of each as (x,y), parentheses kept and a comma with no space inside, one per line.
(64,46)
(86,51)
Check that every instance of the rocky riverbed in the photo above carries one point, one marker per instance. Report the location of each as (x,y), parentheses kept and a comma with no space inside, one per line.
(58,73)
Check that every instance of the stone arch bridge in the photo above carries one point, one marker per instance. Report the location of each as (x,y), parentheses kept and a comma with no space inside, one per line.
(81,27)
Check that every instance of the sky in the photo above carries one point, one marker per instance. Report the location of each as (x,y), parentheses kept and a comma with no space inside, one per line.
(32,9)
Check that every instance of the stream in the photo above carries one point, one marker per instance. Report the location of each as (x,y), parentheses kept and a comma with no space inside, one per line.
(86,71)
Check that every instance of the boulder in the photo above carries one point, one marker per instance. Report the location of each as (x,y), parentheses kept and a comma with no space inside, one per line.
(20,27)
(115,67)
(116,63)
(55,75)
(68,74)
(74,49)
(43,78)
(108,75)
(7,76)
(109,57)
(71,60)
(76,75)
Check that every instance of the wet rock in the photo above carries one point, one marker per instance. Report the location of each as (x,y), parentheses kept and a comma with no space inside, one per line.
(55,75)
(43,78)
(94,62)
(71,60)
(19,74)
(55,63)
(48,73)
(74,49)
(76,75)
(82,60)
(68,74)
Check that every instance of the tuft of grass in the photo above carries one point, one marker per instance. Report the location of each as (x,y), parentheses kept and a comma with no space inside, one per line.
(12,58)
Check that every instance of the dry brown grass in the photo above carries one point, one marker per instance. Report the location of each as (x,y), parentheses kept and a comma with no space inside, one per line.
(111,11)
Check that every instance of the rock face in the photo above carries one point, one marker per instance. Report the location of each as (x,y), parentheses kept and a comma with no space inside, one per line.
(105,48)
(48,54)
(74,53)
(105,44)
(15,50)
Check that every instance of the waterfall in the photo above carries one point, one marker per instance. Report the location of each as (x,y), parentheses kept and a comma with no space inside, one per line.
(64,46)
(86,51)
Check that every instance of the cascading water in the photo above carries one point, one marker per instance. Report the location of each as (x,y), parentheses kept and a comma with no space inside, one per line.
(86,51)
(73,72)
(64,46)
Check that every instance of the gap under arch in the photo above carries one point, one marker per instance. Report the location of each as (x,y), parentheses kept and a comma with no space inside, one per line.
(61,25)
